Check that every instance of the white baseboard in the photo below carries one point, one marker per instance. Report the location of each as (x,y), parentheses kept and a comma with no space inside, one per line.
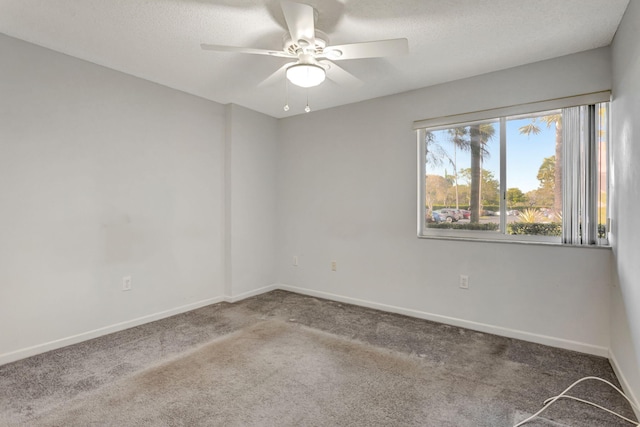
(481,327)
(74,339)
(626,387)
(245,295)
(63,342)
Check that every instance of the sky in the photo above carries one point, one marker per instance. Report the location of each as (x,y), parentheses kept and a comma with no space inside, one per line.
(525,154)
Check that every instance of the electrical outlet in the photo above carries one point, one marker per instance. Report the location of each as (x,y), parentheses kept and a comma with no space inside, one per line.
(126,283)
(334,266)
(295,261)
(464,281)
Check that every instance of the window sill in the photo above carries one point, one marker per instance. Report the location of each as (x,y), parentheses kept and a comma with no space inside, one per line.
(512,242)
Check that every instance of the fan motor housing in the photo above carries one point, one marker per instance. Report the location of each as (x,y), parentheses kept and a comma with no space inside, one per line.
(297,47)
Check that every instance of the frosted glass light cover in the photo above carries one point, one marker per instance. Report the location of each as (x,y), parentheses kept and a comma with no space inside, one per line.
(306,75)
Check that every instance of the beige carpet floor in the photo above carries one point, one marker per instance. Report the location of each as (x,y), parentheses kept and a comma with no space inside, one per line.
(281,359)
(282,374)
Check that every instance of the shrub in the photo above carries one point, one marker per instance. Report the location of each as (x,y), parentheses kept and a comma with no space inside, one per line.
(438,207)
(535,228)
(556,217)
(467,226)
(602,231)
(530,216)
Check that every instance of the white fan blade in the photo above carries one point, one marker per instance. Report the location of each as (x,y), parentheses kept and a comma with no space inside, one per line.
(339,75)
(277,76)
(373,49)
(300,21)
(219,48)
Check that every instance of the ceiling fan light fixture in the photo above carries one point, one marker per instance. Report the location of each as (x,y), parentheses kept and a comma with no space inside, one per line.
(306,75)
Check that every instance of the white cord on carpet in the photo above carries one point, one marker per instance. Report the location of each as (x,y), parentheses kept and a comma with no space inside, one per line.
(547,403)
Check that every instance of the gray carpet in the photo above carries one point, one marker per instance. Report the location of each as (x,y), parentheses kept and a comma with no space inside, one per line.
(282,359)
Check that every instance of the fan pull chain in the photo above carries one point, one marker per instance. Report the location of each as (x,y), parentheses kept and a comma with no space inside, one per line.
(307,108)
(286,94)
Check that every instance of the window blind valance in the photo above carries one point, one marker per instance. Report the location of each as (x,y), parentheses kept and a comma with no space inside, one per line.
(513,110)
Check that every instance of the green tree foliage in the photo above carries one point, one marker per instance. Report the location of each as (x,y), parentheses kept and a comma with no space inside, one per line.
(438,191)
(515,196)
(489,185)
(464,193)
(545,194)
(546,173)
(539,197)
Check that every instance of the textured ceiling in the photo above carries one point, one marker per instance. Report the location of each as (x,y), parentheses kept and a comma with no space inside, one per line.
(159,40)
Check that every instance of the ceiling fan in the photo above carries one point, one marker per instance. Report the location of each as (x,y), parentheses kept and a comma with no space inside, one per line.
(311,52)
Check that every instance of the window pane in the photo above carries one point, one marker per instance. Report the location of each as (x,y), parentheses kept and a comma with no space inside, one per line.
(534,174)
(462,177)
(541,176)
(602,144)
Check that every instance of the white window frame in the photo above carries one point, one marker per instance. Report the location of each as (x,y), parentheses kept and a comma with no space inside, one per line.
(583,172)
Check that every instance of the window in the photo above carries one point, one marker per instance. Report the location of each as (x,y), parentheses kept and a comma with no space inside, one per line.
(536,172)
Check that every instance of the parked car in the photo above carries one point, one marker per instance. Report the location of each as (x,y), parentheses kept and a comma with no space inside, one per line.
(466,214)
(433,217)
(449,215)
(513,212)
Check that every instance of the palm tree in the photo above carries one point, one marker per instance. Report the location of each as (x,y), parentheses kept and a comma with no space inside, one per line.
(436,154)
(434,151)
(457,137)
(479,135)
(533,128)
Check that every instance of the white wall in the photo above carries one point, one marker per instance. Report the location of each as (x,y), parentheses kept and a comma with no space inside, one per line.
(105,175)
(625,309)
(102,175)
(250,203)
(347,192)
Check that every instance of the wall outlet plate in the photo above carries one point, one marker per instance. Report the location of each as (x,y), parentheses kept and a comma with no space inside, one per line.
(464,281)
